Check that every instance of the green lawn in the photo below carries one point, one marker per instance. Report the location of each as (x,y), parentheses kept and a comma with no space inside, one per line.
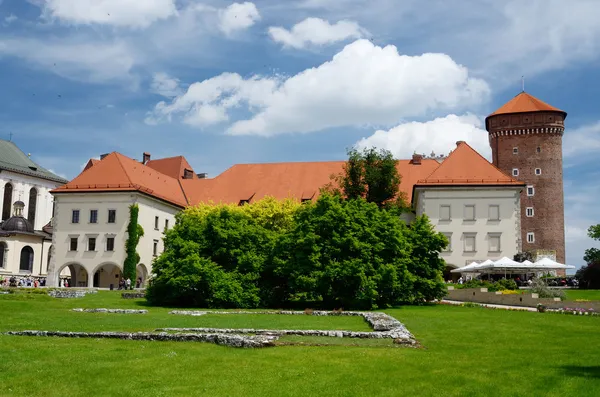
(466,352)
(589,294)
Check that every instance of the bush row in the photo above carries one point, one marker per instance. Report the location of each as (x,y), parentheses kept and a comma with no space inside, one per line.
(331,253)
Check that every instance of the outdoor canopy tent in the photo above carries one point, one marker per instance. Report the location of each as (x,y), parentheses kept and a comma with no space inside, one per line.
(506,264)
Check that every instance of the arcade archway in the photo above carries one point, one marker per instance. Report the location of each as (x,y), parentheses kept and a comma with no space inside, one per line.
(74,273)
(107,274)
(141,276)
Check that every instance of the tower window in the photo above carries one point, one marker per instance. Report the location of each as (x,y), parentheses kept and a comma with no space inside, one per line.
(530,191)
(538,149)
(530,237)
(529,212)
(538,171)
(515,172)
(515,150)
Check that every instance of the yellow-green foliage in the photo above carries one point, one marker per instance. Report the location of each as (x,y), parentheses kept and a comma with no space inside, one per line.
(268,212)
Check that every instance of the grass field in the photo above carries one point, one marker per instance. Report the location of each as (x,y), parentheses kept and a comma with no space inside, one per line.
(466,351)
(589,294)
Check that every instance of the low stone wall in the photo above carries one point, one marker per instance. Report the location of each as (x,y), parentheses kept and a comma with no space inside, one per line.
(481,295)
(384,325)
(219,339)
(70,293)
(133,295)
(119,311)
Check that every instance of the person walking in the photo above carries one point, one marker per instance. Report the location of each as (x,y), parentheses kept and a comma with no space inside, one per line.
(128,283)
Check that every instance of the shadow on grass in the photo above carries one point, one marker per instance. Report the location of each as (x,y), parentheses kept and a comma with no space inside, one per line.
(583,371)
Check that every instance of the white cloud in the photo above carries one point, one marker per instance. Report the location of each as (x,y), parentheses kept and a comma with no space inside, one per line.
(77,60)
(125,13)
(581,143)
(10,19)
(581,211)
(316,31)
(362,84)
(439,135)
(163,84)
(238,16)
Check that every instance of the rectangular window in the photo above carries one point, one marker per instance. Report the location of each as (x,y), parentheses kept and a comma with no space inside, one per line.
(494,242)
(529,212)
(469,213)
(92,244)
(515,150)
(538,149)
(110,243)
(469,242)
(112,216)
(155,248)
(73,245)
(515,172)
(156,223)
(93,216)
(166,224)
(444,212)
(494,213)
(449,238)
(530,237)
(538,171)
(530,191)
(75,216)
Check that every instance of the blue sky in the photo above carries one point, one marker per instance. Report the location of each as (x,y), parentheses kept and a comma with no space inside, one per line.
(225,83)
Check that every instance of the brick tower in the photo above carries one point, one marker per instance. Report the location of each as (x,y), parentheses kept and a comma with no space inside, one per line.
(526,139)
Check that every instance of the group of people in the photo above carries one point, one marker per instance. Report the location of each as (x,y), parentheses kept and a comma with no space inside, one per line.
(15,281)
(126,283)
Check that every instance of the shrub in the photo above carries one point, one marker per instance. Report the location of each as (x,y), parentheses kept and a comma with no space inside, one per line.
(540,287)
(506,284)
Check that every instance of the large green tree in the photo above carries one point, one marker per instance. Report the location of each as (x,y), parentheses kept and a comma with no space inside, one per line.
(371,174)
(589,275)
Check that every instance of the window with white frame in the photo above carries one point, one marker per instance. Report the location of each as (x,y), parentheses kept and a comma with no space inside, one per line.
(469,214)
(494,242)
(531,237)
(444,212)
(529,211)
(449,238)
(155,248)
(530,191)
(515,150)
(469,242)
(91,243)
(538,171)
(515,172)
(494,212)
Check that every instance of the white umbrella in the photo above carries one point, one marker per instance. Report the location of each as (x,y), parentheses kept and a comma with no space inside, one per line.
(527,263)
(549,264)
(472,267)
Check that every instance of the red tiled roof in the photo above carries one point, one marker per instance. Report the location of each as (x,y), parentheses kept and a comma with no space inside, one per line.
(172,166)
(464,166)
(117,172)
(524,102)
(301,180)
(90,163)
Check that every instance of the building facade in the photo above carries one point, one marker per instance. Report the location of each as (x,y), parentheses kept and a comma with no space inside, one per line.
(526,139)
(27,207)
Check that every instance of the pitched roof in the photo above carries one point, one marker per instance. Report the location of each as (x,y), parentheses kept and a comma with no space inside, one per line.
(172,166)
(90,163)
(117,172)
(299,180)
(524,102)
(13,159)
(464,166)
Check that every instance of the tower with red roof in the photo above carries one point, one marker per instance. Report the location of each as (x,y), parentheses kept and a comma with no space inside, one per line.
(526,139)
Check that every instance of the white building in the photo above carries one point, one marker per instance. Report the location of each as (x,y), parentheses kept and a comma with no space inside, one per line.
(26,232)
(475,205)
(93,212)
(468,199)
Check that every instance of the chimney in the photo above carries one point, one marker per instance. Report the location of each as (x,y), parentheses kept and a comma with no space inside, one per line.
(459,142)
(188,174)
(102,156)
(416,159)
(202,175)
(145,158)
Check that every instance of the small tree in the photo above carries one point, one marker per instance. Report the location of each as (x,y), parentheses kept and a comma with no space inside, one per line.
(589,275)
(135,232)
(370,174)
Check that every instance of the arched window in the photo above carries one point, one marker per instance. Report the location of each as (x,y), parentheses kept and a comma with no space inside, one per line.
(2,253)
(49,258)
(26,263)
(32,204)
(8,191)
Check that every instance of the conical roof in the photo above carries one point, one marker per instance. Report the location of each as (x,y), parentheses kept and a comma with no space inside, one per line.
(525,102)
